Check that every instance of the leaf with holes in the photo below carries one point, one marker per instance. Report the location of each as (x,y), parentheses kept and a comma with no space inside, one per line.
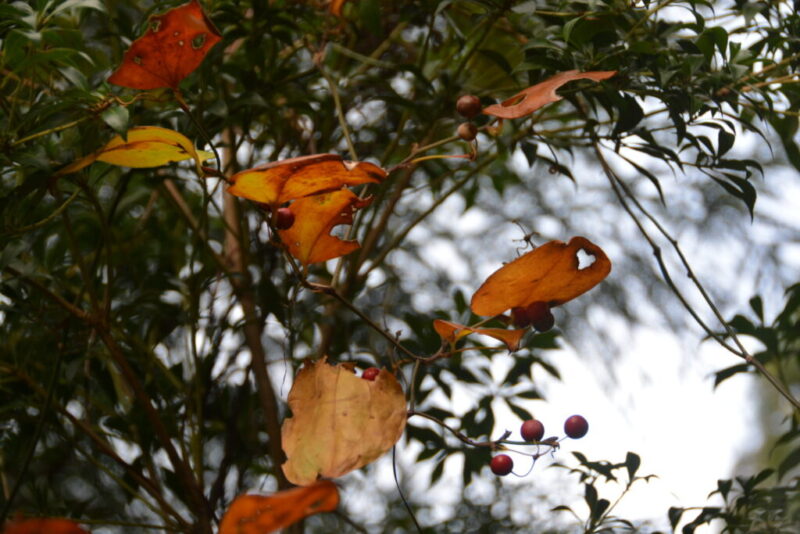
(541,94)
(550,273)
(257,514)
(339,422)
(309,239)
(145,146)
(174,45)
(452,332)
(43,526)
(285,180)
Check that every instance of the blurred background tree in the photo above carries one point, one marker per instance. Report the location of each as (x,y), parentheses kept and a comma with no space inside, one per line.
(143,379)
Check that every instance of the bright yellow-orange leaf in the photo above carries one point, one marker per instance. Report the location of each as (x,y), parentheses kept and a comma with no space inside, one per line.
(340,422)
(452,332)
(541,94)
(550,273)
(282,181)
(43,526)
(309,239)
(146,146)
(256,514)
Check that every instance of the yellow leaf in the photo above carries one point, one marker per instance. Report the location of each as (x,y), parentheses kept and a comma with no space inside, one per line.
(146,146)
(339,422)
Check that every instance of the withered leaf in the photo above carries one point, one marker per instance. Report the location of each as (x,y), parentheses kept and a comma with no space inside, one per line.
(541,94)
(339,422)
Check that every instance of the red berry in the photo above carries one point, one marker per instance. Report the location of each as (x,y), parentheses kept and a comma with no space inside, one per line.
(370,373)
(536,314)
(501,465)
(576,426)
(467,131)
(468,105)
(284,219)
(532,430)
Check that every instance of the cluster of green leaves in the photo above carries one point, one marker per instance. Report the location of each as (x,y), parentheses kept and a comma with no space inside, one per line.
(113,275)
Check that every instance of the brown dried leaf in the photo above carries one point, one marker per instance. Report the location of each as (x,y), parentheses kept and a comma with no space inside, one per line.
(339,422)
(541,94)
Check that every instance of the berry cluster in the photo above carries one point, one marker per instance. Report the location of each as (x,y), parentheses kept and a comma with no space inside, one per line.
(532,430)
(468,106)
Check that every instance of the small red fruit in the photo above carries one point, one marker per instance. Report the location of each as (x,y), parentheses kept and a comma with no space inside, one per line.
(467,131)
(536,314)
(501,465)
(468,106)
(576,426)
(370,373)
(284,219)
(532,430)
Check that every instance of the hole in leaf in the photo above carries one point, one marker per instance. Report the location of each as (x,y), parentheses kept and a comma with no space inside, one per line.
(585,259)
(137,60)
(198,41)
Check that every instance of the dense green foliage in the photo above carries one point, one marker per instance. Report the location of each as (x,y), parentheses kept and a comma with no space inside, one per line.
(132,301)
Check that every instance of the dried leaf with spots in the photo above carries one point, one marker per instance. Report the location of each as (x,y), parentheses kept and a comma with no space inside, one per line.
(550,274)
(452,332)
(309,239)
(257,514)
(174,45)
(145,146)
(289,179)
(541,94)
(340,422)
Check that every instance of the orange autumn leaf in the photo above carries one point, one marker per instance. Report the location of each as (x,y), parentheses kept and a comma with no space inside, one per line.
(257,514)
(541,94)
(452,332)
(336,7)
(309,239)
(550,273)
(282,181)
(340,422)
(43,526)
(175,44)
